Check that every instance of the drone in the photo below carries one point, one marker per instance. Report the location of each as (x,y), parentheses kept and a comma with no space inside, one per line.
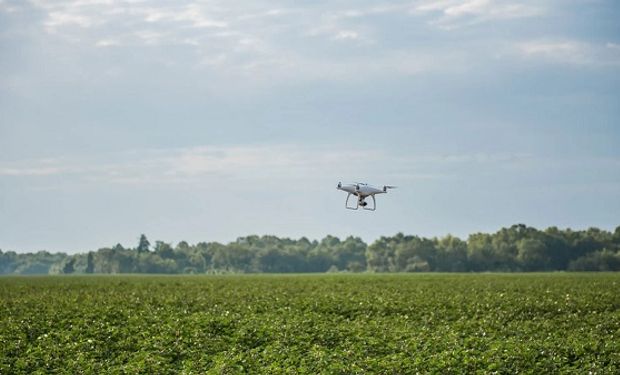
(362,191)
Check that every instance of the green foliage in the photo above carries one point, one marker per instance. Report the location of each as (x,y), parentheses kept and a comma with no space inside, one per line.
(532,254)
(309,324)
(605,260)
(144,244)
(90,263)
(69,266)
(30,263)
(517,248)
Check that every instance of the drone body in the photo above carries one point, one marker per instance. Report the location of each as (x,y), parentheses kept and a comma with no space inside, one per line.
(362,191)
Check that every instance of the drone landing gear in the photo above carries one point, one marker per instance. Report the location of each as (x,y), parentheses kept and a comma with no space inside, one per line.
(361,202)
(374,204)
(346,204)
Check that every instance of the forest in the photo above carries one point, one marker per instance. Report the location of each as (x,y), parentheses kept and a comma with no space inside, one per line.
(519,248)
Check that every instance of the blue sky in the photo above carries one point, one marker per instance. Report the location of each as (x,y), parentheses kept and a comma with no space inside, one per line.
(205,121)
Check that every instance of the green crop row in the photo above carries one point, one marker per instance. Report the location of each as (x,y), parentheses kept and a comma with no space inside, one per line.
(332,324)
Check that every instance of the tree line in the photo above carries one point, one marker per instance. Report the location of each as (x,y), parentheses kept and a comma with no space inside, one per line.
(518,248)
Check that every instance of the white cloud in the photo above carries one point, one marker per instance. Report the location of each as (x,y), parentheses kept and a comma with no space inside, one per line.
(548,48)
(116,14)
(59,19)
(39,168)
(194,164)
(346,34)
(262,44)
(331,27)
(11,7)
(192,15)
(31,171)
(107,43)
(452,14)
(259,39)
(268,165)
(294,68)
(270,13)
(150,37)
(570,52)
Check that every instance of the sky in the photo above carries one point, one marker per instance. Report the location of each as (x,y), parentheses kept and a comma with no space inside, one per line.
(211,120)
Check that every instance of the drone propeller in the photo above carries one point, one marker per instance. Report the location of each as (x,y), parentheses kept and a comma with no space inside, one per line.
(386,187)
(339,185)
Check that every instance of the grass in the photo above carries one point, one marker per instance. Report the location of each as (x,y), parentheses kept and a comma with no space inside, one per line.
(429,323)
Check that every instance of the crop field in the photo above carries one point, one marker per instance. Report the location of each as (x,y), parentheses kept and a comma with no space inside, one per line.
(333,324)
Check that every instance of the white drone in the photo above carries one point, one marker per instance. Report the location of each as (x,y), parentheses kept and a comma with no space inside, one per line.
(362,191)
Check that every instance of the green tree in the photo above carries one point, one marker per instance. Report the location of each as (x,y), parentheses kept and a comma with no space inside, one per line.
(558,248)
(90,263)
(143,245)
(69,266)
(480,254)
(603,260)
(350,254)
(616,237)
(451,254)
(413,254)
(164,250)
(532,254)
(380,255)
